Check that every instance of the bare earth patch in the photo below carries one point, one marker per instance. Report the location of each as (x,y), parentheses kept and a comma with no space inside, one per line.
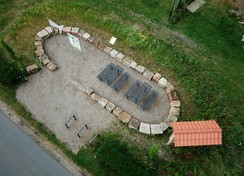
(52,97)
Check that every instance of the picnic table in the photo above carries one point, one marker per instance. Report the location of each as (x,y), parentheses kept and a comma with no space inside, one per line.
(121,82)
(140,93)
(148,101)
(132,89)
(111,76)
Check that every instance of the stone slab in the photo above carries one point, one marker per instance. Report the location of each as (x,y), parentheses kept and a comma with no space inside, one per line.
(107,49)
(86,36)
(51,66)
(164,126)
(91,39)
(174,111)
(175,103)
(117,111)
(103,102)
(127,61)
(169,87)
(96,42)
(145,128)
(156,129)
(39,52)
(75,30)
(133,64)
(101,46)
(113,53)
(49,30)
(43,34)
(134,123)
(45,61)
(95,97)
(173,96)
(156,77)
(162,82)
(195,5)
(110,106)
(124,117)
(140,69)
(89,90)
(67,29)
(32,68)
(120,57)
(148,74)
(43,57)
(81,33)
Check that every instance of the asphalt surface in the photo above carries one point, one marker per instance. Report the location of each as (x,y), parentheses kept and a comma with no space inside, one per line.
(21,156)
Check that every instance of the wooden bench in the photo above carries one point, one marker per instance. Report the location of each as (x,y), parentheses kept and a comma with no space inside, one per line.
(148,101)
(106,71)
(121,82)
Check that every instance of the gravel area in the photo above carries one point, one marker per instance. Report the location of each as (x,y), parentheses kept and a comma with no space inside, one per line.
(53,97)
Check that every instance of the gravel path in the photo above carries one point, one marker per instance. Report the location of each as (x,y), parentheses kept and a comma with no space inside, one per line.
(52,97)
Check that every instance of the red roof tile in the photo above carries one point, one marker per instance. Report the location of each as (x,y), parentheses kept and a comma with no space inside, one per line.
(197,133)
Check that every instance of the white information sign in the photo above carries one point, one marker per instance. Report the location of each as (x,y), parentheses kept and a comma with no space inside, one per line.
(74,41)
(112,40)
(54,25)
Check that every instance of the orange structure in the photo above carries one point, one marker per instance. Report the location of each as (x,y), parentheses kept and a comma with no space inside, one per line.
(196,133)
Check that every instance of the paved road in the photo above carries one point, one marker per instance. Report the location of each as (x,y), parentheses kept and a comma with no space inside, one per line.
(21,156)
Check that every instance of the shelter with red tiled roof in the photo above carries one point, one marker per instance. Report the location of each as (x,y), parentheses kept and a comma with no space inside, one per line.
(196,133)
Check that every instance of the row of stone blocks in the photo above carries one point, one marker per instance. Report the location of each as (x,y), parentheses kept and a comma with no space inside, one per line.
(155,77)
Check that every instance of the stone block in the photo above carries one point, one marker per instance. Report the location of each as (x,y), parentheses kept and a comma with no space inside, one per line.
(91,39)
(162,82)
(113,53)
(49,30)
(103,102)
(45,61)
(120,57)
(156,77)
(148,74)
(75,30)
(133,64)
(67,29)
(89,90)
(43,34)
(169,87)
(110,106)
(117,111)
(39,47)
(127,61)
(32,68)
(96,42)
(51,66)
(43,57)
(164,126)
(39,52)
(37,38)
(156,129)
(140,69)
(173,96)
(174,111)
(86,36)
(175,103)
(95,97)
(101,46)
(107,49)
(124,117)
(38,43)
(81,33)
(134,123)
(144,128)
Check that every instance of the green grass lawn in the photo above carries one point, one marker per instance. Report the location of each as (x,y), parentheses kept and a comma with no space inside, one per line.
(206,65)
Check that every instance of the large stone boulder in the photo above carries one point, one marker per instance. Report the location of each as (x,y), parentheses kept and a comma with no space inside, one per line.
(32,68)
(124,117)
